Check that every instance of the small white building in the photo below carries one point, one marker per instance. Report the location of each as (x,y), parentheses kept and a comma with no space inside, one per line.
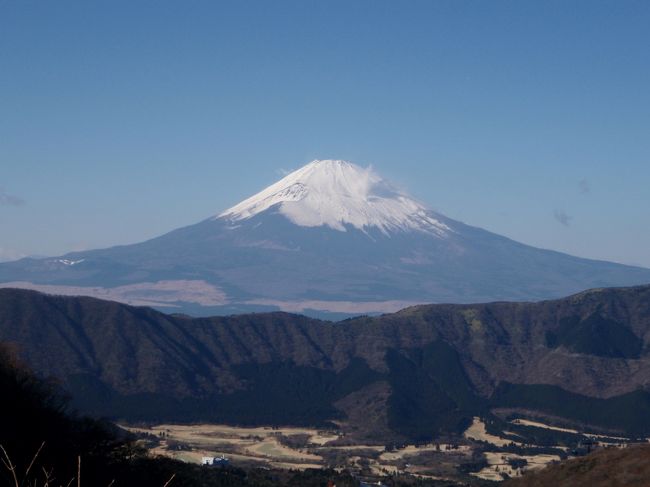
(215,461)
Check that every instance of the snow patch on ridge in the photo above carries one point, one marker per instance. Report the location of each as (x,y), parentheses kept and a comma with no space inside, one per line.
(338,194)
(70,262)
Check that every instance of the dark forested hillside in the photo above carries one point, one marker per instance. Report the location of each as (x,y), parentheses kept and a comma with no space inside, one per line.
(584,358)
(42,443)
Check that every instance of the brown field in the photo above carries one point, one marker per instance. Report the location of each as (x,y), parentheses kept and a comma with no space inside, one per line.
(291,448)
(302,448)
(477,432)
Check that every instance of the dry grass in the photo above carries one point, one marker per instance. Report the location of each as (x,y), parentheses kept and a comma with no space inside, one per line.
(478,432)
(265,446)
(498,463)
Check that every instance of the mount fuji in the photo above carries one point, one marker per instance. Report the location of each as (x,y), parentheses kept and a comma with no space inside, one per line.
(331,237)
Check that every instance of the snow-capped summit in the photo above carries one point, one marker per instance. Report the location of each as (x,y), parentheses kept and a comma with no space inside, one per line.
(331,237)
(339,194)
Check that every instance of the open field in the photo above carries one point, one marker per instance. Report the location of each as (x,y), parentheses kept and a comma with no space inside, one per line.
(478,432)
(255,445)
(618,441)
(537,424)
(303,448)
(293,448)
(500,463)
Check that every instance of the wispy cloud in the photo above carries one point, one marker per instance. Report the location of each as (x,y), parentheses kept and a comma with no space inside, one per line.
(7,199)
(584,186)
(562,217)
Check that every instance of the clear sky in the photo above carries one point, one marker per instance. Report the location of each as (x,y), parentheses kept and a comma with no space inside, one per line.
(121,120)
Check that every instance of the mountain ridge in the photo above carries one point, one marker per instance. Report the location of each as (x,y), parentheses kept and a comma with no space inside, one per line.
(141,364)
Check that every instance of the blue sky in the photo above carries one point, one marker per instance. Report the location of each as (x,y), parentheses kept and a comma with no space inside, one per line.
(122,120)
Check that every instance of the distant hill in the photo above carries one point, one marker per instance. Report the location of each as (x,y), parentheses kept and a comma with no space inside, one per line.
(611,467)
(330,238)
(424,371)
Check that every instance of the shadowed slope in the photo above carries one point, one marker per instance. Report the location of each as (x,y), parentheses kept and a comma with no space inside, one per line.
(442,363)
(628,467)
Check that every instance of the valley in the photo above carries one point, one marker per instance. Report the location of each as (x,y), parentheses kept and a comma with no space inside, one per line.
(462,394)
(305,448)
(476,455)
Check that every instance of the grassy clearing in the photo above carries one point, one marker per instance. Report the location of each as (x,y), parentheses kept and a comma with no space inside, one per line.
(512,465)
(478,432)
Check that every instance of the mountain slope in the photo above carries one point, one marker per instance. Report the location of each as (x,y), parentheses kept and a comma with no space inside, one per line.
(611,467)
(43,444)
(329,237)
(425,370)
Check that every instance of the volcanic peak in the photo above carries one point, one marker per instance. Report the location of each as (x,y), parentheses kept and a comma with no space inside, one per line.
(340,195)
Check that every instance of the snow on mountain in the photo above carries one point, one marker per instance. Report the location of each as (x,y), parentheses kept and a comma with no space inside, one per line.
(339,194)
(312,243)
